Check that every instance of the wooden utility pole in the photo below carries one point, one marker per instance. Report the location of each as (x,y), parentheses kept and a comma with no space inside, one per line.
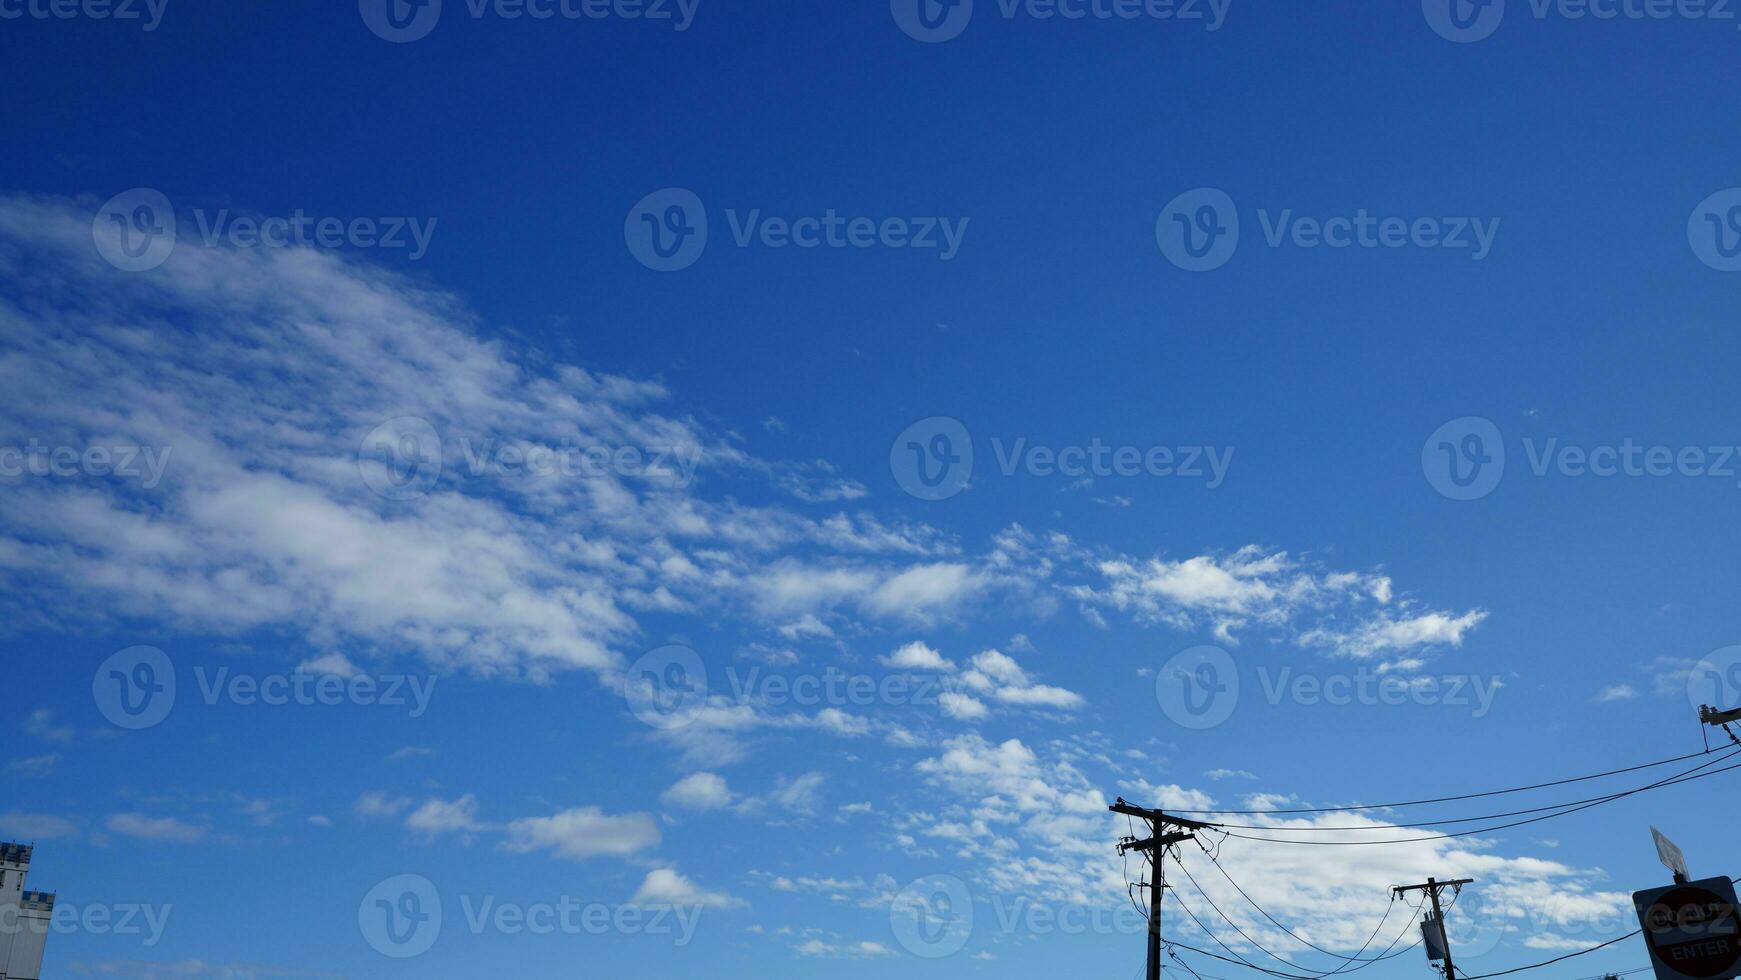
(1432,887)
(1161,837)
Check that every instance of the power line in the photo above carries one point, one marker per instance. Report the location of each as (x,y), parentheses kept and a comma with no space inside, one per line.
(1557,959)
(1236,927)
(1465,796)
(1439,823)
(1676,779)
(1356,958)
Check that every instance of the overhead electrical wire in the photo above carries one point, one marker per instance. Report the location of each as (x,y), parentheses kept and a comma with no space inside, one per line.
(1344,969)
(1452,799)
(1356,958)
(1451,820)
(1563,809)
(1557,959)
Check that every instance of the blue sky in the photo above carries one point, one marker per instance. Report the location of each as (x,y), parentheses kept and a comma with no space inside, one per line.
(335,498)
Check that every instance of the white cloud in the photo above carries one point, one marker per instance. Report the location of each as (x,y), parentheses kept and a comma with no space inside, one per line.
(1350,613)
(699,792)
(801,794)
(1219,774)
(436,817)
(335,664)
(161,829)
(996,675)
(583,832)
(378,804)
(664,886)
(861,950)
(34,766)
(924,591)
(964,707)
(1616,692)
(917,656)
(1384,633)
(40,724)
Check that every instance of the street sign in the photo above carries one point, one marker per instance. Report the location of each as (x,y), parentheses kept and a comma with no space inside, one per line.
(1693,930)
(1669,853)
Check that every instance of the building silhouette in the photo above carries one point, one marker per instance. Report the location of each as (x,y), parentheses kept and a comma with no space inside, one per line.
(24,916)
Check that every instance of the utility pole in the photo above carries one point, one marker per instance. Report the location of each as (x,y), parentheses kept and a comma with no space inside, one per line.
(1433,887)
(1155,846)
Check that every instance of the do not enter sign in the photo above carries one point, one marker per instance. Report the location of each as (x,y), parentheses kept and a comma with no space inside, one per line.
(1693,930)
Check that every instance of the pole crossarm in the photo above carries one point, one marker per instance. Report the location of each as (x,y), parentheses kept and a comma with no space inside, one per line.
(1157,816)
(1432,884)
